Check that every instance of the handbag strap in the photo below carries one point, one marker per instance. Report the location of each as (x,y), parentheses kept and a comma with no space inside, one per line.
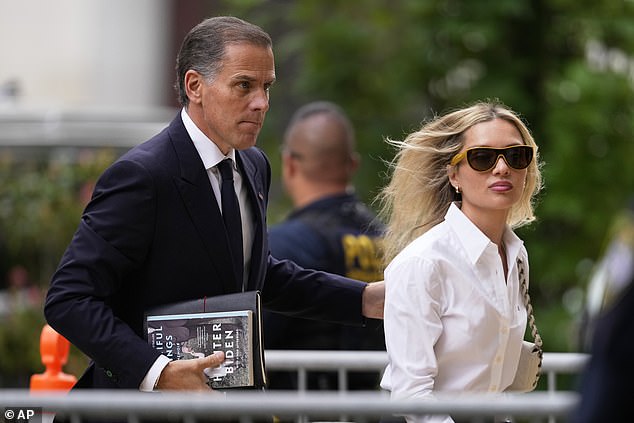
(527,303)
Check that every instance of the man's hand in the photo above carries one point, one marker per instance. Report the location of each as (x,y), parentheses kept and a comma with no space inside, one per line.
(188,374)
(373,300)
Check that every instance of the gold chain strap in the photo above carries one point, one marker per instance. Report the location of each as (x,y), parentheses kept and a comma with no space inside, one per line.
(527,303)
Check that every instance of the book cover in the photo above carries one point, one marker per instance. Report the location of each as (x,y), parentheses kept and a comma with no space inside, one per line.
(248,300)
(185,336)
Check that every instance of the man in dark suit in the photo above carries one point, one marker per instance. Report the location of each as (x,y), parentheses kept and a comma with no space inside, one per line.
(153,232)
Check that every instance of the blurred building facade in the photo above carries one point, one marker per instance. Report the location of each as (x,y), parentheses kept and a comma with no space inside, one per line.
(106,54)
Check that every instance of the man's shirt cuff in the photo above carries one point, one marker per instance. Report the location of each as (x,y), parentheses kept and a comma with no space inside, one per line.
(148,384)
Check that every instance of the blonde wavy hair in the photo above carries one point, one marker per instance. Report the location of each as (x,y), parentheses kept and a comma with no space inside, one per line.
(419,192)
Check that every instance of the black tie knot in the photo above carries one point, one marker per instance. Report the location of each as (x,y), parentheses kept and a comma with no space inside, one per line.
(226,170)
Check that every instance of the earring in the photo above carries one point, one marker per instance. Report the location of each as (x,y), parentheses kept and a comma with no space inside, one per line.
(457,189)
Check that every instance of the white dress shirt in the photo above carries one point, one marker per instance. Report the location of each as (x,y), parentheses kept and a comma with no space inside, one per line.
(452,322)
(211,156)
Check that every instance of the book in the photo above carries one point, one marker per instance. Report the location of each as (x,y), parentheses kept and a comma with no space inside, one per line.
(196,328)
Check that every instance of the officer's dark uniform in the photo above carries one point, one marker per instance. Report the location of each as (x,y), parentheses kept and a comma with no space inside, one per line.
(337,234)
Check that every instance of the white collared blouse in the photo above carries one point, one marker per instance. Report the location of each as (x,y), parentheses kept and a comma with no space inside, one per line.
(452,321)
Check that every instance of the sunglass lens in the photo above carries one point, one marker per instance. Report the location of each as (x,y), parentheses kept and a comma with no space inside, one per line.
(519,157)
(481,159)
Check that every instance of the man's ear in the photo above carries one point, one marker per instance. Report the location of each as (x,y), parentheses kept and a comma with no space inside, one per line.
(193,86)
(288,163)
(355,162)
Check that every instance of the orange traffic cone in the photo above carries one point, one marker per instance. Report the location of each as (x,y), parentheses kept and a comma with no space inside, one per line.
(54,350)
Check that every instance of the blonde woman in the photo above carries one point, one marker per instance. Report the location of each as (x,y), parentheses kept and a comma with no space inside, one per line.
(454,315)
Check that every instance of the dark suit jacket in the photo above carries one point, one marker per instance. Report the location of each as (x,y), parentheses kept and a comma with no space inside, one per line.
(606,384)
(153,234)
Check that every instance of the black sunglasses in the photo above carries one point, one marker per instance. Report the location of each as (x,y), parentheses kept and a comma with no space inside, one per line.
(482,159)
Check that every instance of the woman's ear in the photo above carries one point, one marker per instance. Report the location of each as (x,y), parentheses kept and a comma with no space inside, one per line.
(453,175)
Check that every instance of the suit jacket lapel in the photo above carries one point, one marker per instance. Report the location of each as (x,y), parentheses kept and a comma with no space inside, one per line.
(197,194)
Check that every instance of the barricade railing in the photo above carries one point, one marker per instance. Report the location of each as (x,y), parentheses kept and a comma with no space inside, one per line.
(342,362)
(303,406)
(249,406)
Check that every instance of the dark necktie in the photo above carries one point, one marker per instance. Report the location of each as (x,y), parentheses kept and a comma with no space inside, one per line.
(231,217)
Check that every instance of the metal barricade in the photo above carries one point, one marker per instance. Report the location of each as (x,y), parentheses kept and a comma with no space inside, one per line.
(549,405)
(248,406)
(343,362)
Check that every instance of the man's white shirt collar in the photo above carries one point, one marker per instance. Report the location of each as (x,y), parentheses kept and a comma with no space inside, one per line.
(207,149)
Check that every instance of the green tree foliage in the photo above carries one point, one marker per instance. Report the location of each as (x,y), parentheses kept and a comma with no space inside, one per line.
(563,65)
(20,348)
(40,204)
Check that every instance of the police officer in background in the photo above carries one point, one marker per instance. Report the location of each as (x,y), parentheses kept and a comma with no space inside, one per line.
(329,229)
